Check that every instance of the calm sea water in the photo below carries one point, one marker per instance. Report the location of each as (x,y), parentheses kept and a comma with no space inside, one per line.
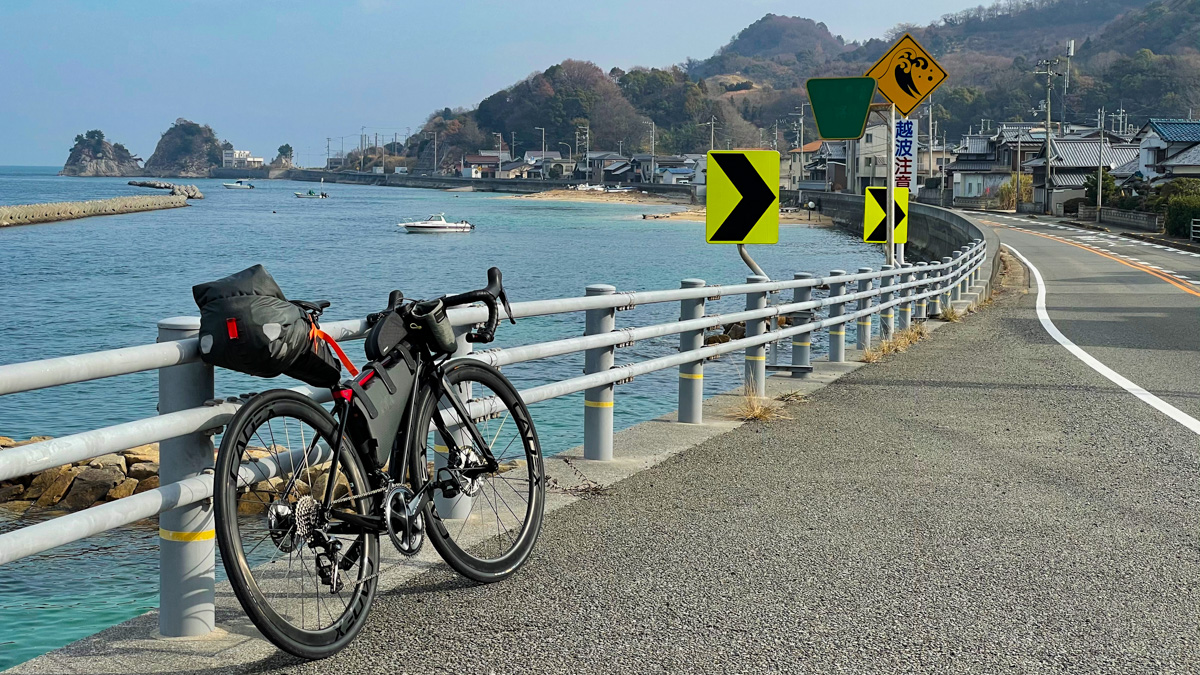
(102,283)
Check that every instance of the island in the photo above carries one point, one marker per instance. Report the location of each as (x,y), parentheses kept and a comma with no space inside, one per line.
(186,150)
(93,156)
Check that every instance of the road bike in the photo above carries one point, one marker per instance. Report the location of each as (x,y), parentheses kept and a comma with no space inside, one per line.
(416,446)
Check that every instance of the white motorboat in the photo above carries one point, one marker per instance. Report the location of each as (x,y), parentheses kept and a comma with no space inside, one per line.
(437,223)
(239,185)
(312,195)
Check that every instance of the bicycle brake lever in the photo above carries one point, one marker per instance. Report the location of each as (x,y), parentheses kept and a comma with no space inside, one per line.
(507,309)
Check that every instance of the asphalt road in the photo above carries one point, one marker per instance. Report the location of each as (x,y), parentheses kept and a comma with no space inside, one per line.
(986,502)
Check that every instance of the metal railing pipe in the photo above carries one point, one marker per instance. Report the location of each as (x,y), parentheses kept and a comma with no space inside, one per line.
(922,306)
(957,277)
(862,333)
(906,307)
(598,401)
(186,547)
(691,375)
(756,358)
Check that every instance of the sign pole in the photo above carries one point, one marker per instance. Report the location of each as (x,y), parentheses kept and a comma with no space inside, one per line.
(891,187)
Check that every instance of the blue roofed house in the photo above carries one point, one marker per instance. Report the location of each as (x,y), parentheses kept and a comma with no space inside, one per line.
(675,175)
(1167,148)
(1074,159)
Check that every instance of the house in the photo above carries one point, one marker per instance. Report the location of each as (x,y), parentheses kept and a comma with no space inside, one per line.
(599,165)
(240,159)
(1073,159)
(977,171)
(642,163)
(675,175)
(481,165)
(518,169)
(1167,148)
(533,156)
(829,165)
(331,163)
(798,159)
(698,163)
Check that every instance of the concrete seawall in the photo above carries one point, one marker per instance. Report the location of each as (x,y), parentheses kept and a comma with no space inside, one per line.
(508,185)
(28,214)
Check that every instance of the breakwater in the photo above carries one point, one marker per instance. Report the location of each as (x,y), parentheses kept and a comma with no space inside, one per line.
(28,214)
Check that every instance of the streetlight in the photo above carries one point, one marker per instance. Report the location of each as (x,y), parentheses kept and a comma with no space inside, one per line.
(652,167)
(543,130)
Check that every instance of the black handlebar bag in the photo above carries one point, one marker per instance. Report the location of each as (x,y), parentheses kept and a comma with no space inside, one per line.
(247,325)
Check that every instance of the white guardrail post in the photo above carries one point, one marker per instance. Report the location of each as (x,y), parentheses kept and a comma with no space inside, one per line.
(598,401)
(906,307)
(756,356)
(887,315)
(691,375)
(186,563)
(975,274)
(922,308)
(837,332)
(944,284)
(862,334)
(956,284)
(933,306)
(802,343)
(964,284)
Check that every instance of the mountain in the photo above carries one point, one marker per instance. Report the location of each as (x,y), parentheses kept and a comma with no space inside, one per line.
(186,150)
(93,156)
(1136,55)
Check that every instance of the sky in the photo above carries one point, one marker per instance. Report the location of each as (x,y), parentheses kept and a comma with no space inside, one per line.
(265,73)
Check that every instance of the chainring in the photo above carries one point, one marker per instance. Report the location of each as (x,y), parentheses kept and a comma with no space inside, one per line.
(407,534)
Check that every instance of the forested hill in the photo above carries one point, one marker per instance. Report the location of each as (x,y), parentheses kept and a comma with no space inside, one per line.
(1131,54)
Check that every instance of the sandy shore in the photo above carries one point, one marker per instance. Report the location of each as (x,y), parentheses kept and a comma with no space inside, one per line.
(696,214)
(606,197)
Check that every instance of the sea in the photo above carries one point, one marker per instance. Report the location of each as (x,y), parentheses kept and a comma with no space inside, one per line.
(102,283)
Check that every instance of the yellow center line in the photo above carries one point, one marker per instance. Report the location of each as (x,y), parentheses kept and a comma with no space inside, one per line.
(1148,270)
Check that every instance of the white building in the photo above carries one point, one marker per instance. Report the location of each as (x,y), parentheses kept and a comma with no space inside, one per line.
(240,159)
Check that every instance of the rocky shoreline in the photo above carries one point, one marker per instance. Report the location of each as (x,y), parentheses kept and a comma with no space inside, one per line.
(74,487)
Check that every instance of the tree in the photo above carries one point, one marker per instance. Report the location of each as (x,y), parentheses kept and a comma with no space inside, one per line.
(285,151)
(1109,188)
(94,135)
(1008,196)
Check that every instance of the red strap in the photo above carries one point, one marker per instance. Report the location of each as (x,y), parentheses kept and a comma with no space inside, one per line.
(337,349)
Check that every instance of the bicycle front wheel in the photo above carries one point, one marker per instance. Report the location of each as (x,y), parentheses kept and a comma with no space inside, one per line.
(484,525)
(305,577)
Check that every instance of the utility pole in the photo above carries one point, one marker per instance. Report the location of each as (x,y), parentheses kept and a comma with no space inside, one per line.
(512,147)
(712,134)
(327,139)
(1100,165)
(800,135)
(1044,68)
(652,167)
(1067,78)
(362,141)
(499,148)
(543,130)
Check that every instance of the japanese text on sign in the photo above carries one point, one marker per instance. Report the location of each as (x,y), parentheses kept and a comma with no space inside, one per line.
(906,152)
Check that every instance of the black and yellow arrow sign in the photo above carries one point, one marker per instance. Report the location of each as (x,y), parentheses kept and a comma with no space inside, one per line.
(875,215)
(743,197)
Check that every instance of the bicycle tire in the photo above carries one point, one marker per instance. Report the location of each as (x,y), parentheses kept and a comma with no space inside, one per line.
(461,555)
(247,577)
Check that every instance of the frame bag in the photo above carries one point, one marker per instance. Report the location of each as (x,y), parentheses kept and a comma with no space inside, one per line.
(247,325)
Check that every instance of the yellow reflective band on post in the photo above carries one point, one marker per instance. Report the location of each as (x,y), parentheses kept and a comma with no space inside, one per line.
(205,535)
(837,332)
(597,404)
(906,309)
(756,358)
(801,344)
(692,376)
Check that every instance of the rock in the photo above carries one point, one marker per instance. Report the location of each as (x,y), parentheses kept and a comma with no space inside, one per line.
(18,507)
(123,489)
(143,470)
(142,453)
(98,157)
(188,191)
(11,492)
(186,150)
(254,503)
(91,484)
(44,480)
(35,439)
(146,484)
(106,461)
(716,340)
(54,492)
(6,442)
(736,331)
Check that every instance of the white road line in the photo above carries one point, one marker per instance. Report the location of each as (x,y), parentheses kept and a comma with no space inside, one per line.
(1191,423)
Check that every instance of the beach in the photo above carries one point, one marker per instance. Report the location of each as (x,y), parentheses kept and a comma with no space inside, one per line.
(697,214)
(632,197)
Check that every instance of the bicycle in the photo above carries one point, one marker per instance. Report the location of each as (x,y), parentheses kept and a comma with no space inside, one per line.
(413,449)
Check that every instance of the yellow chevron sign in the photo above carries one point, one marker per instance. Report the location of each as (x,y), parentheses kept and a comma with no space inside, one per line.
(875,216)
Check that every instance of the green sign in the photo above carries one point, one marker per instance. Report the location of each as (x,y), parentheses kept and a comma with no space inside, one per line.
(841,105)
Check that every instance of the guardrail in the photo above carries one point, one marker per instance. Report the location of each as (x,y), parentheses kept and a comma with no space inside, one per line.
(189,415)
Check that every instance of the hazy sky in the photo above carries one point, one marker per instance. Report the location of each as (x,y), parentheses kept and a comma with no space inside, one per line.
(266,73)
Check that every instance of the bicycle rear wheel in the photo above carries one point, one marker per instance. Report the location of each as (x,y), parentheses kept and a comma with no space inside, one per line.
(484,526)
(305,578)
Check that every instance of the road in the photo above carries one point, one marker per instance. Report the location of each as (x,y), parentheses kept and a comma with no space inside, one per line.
(991,502)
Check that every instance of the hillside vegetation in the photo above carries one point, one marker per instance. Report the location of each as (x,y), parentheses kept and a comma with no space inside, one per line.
(92,155)
(186,150)
(1141,56)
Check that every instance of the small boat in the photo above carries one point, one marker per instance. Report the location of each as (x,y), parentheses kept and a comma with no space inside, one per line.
(619,189)
(437,223)
(239,185)
(311,194)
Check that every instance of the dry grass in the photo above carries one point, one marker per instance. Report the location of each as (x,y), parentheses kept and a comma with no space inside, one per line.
(871,355)
(951,314)
(755,408)
(790,397)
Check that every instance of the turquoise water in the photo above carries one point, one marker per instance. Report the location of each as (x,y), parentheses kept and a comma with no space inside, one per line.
(102,283)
